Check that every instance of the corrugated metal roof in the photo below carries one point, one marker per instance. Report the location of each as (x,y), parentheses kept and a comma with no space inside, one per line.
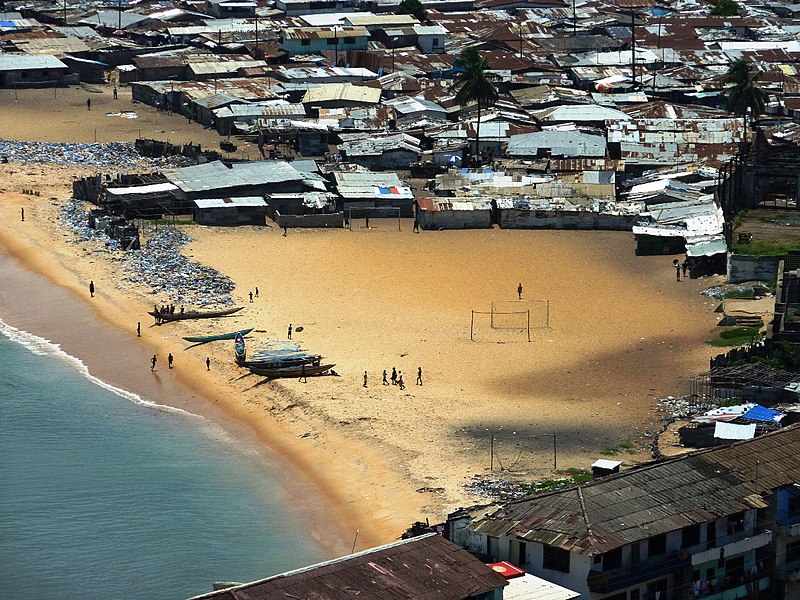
(216,176)
(244,201)
(26,62)
(346,92)
(420,568)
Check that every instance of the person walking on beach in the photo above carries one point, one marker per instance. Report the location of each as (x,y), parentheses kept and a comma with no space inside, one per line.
(153,362)
(285,230)
(256,292)
(416,226)
(419,375)
(115,92)
(251,296)
(88,104)
(23,213)
(394,376)
(677,266)
(138,329)
(385,380)
(684,266)
(519,291)
(169,360)
(365,379)
(400,381)
(290,331)
(208,363)
(91,289)
(303,377)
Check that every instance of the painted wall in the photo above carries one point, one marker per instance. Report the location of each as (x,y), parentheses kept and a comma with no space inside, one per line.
(752,268)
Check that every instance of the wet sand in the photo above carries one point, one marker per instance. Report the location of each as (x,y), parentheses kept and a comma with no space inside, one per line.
(622,333)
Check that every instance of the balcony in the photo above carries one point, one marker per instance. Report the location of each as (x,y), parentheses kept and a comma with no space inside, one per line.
(742,589)
(789,571)
(790,530)
(732,548)
(604,582)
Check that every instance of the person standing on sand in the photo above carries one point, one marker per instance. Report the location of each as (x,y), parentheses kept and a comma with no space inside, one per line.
(290,331)
(519,291)
(91,289)
(23,213)
(169,360)
(251,296)
(285,230)
(677,266)
(153,362)
(208,363)
(385,380)
(416,226)
(365,379)
(419,375)
(394,376)
(400,381)
(138,329)
(115,92)
(684,266)
(88,104)
(256,292)
(303,377)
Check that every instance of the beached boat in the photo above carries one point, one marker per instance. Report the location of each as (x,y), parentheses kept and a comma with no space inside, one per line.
(292,371)
(192,314)
(280,362)
(202,339)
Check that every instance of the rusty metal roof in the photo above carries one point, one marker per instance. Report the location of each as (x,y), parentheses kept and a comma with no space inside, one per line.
(420,568)
(607,513)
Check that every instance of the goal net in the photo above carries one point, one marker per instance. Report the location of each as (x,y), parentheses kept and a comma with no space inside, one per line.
(520,314)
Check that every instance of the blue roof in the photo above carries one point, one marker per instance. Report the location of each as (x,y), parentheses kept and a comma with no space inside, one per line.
(760,413)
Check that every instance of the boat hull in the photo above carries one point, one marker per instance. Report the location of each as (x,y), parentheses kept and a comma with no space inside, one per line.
(292,371)
(202,339)
(192,314)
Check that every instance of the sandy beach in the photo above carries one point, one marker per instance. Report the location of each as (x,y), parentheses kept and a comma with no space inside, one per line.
(622,334)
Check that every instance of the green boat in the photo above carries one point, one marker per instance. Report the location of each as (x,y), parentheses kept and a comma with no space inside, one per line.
(202,339)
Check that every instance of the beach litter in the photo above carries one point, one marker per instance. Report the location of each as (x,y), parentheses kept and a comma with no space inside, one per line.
(117,155)
(158,264)
(127,114)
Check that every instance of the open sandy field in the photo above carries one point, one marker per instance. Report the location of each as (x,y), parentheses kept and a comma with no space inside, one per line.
(622,334)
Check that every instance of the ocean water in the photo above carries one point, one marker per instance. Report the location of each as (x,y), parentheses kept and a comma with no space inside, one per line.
(106,496)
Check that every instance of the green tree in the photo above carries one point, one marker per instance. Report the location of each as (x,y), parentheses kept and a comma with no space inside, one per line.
(726,8)
(473,84)
(743,94)
(412,7)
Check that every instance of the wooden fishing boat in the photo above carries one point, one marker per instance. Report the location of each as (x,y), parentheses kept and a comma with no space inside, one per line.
(292,371)
(202,339)
(192,314)
(279,363)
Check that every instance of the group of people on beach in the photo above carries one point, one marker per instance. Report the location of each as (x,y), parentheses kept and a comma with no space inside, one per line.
(397,378)
(171,359)
(165,309)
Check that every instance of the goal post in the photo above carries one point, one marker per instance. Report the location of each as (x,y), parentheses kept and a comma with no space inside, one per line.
(523,318)
(370,214)
(538,313)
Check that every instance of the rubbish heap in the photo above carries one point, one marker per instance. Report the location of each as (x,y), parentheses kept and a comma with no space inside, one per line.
(684,406)
(117,155)
(158,264)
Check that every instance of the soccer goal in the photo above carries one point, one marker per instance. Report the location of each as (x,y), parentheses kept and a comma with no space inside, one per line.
(373,217)
(508,314)
(481,326)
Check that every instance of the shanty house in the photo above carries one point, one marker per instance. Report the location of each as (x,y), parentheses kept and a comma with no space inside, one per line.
(454,213)
(312,40)
(245,210)
(368,190)
(231,180)
(419,568)
(24,70)
(396,151)
(228,9)
(719,523)
(569,144)
(341,95)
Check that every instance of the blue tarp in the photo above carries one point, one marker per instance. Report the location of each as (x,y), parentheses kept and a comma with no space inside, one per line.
(760,413)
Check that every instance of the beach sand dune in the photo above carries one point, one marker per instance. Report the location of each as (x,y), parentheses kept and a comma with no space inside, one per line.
(622,334)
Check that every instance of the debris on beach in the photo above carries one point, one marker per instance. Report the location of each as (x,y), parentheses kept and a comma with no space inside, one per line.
(116,155)
(684,407)
(495,487)
(159,264)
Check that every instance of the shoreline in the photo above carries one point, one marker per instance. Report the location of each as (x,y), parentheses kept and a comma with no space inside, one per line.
(299,469)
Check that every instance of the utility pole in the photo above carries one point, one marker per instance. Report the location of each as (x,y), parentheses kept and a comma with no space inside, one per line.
(65,13)
(336,46)
(257,52)
(574,20)
(633,48)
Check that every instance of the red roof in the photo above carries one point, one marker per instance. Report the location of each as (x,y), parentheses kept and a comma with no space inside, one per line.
(506,569)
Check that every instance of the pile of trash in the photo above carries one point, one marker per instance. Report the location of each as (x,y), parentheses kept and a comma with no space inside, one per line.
(754,289)
(493,487)
(116,155)
(685,406)
(160,265)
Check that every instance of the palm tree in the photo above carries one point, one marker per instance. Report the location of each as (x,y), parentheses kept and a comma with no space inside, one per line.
(473,84)
(744,95)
